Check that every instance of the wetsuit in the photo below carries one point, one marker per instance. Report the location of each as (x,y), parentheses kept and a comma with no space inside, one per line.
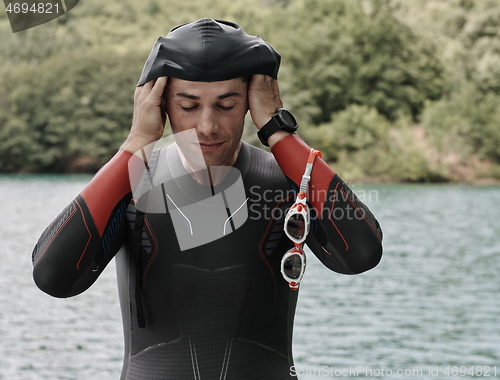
(220,310)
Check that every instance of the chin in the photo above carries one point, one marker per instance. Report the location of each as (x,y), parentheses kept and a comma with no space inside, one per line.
(215,161)
(218,158)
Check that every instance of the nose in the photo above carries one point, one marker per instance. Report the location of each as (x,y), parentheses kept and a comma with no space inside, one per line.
(208,123)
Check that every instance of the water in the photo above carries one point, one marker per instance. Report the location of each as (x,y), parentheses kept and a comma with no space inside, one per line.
(432,301)
(43,337)
(431,304)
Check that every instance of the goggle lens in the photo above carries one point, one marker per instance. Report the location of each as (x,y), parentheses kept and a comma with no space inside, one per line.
(296,226)
(292,266)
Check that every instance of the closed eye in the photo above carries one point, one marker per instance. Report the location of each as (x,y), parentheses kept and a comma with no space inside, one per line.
(189,108)
(226,108)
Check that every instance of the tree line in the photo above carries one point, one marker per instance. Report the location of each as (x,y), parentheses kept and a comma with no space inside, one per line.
(386,89)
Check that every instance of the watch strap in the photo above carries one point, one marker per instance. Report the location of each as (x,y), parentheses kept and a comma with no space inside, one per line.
(268,130)
(277,123)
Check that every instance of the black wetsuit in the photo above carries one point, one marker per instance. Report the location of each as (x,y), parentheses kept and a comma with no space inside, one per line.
(217,311)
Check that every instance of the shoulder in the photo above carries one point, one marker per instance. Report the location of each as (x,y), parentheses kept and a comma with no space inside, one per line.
(260,166)
(259,154)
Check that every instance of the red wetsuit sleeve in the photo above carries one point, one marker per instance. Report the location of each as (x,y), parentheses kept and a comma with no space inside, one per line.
(108,186)
(345,235)
(291,153)
(75,248)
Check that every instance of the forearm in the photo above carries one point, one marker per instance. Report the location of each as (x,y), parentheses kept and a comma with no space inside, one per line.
(276,137)
(344,235)
(78,244)
(291,153)
(74,249)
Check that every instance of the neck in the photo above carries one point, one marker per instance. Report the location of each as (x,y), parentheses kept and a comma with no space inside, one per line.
(203,174)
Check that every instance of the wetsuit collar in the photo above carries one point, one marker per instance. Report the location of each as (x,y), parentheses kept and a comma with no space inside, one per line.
(190,187)
(177,169)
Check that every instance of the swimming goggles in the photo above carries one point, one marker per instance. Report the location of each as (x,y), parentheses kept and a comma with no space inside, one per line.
(297,225)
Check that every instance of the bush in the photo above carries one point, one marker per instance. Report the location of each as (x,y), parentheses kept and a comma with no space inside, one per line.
(407,160)
(74,106)
(361,144)
(466,121)
(354,129)
(345,51)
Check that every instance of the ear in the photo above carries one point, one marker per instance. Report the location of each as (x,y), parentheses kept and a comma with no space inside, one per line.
(163,105)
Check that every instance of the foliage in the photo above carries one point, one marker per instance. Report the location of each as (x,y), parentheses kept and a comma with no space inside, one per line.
(357,75)
(361,143)
(342,52)
(352,130)
(54,114)
(466,122)
(481,38)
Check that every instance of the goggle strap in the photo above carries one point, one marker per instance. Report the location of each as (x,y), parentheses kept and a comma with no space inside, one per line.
(309,166)
(312,155)
(305,181)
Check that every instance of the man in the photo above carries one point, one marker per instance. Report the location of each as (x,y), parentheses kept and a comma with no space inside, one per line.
(221,309)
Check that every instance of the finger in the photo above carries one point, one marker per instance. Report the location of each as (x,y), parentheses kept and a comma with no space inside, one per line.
(257,80)
(149,85)
(258,77)
(159,86)
(264,83)
(145,87)
(137,92)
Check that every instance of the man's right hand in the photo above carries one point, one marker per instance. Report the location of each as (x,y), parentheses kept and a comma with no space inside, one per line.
(149,116)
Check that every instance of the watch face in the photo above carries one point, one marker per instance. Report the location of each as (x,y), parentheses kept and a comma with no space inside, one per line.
(288,118)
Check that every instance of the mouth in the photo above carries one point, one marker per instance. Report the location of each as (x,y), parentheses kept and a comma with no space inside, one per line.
(210,146)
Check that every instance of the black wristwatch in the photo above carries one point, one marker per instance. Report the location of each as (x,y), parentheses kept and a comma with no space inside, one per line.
(282,120)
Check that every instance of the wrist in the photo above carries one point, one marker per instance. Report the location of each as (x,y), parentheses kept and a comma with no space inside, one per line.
(281,121)
(263,119)
(276,137)
(134,142)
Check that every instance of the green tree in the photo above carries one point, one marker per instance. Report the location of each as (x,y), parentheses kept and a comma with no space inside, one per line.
(74,107)
(339,52)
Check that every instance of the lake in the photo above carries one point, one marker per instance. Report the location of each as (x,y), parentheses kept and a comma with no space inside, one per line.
(429,310)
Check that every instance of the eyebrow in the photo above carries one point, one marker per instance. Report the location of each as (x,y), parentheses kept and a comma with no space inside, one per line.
(229,94)
(184,95)
(220,97)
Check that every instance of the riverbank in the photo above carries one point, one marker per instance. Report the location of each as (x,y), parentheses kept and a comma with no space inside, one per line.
(472,171)
(405,154)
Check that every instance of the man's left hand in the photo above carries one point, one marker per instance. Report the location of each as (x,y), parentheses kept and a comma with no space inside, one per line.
(263,99)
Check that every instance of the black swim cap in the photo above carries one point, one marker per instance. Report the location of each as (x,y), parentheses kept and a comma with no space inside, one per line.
(210,50)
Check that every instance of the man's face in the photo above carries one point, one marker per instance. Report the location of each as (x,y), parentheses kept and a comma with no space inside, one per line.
(216,110)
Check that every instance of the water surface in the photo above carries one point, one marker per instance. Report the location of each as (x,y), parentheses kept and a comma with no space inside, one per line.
(432,302)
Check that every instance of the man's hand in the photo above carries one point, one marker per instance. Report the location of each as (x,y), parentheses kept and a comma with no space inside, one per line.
(149,115)
(264,99)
